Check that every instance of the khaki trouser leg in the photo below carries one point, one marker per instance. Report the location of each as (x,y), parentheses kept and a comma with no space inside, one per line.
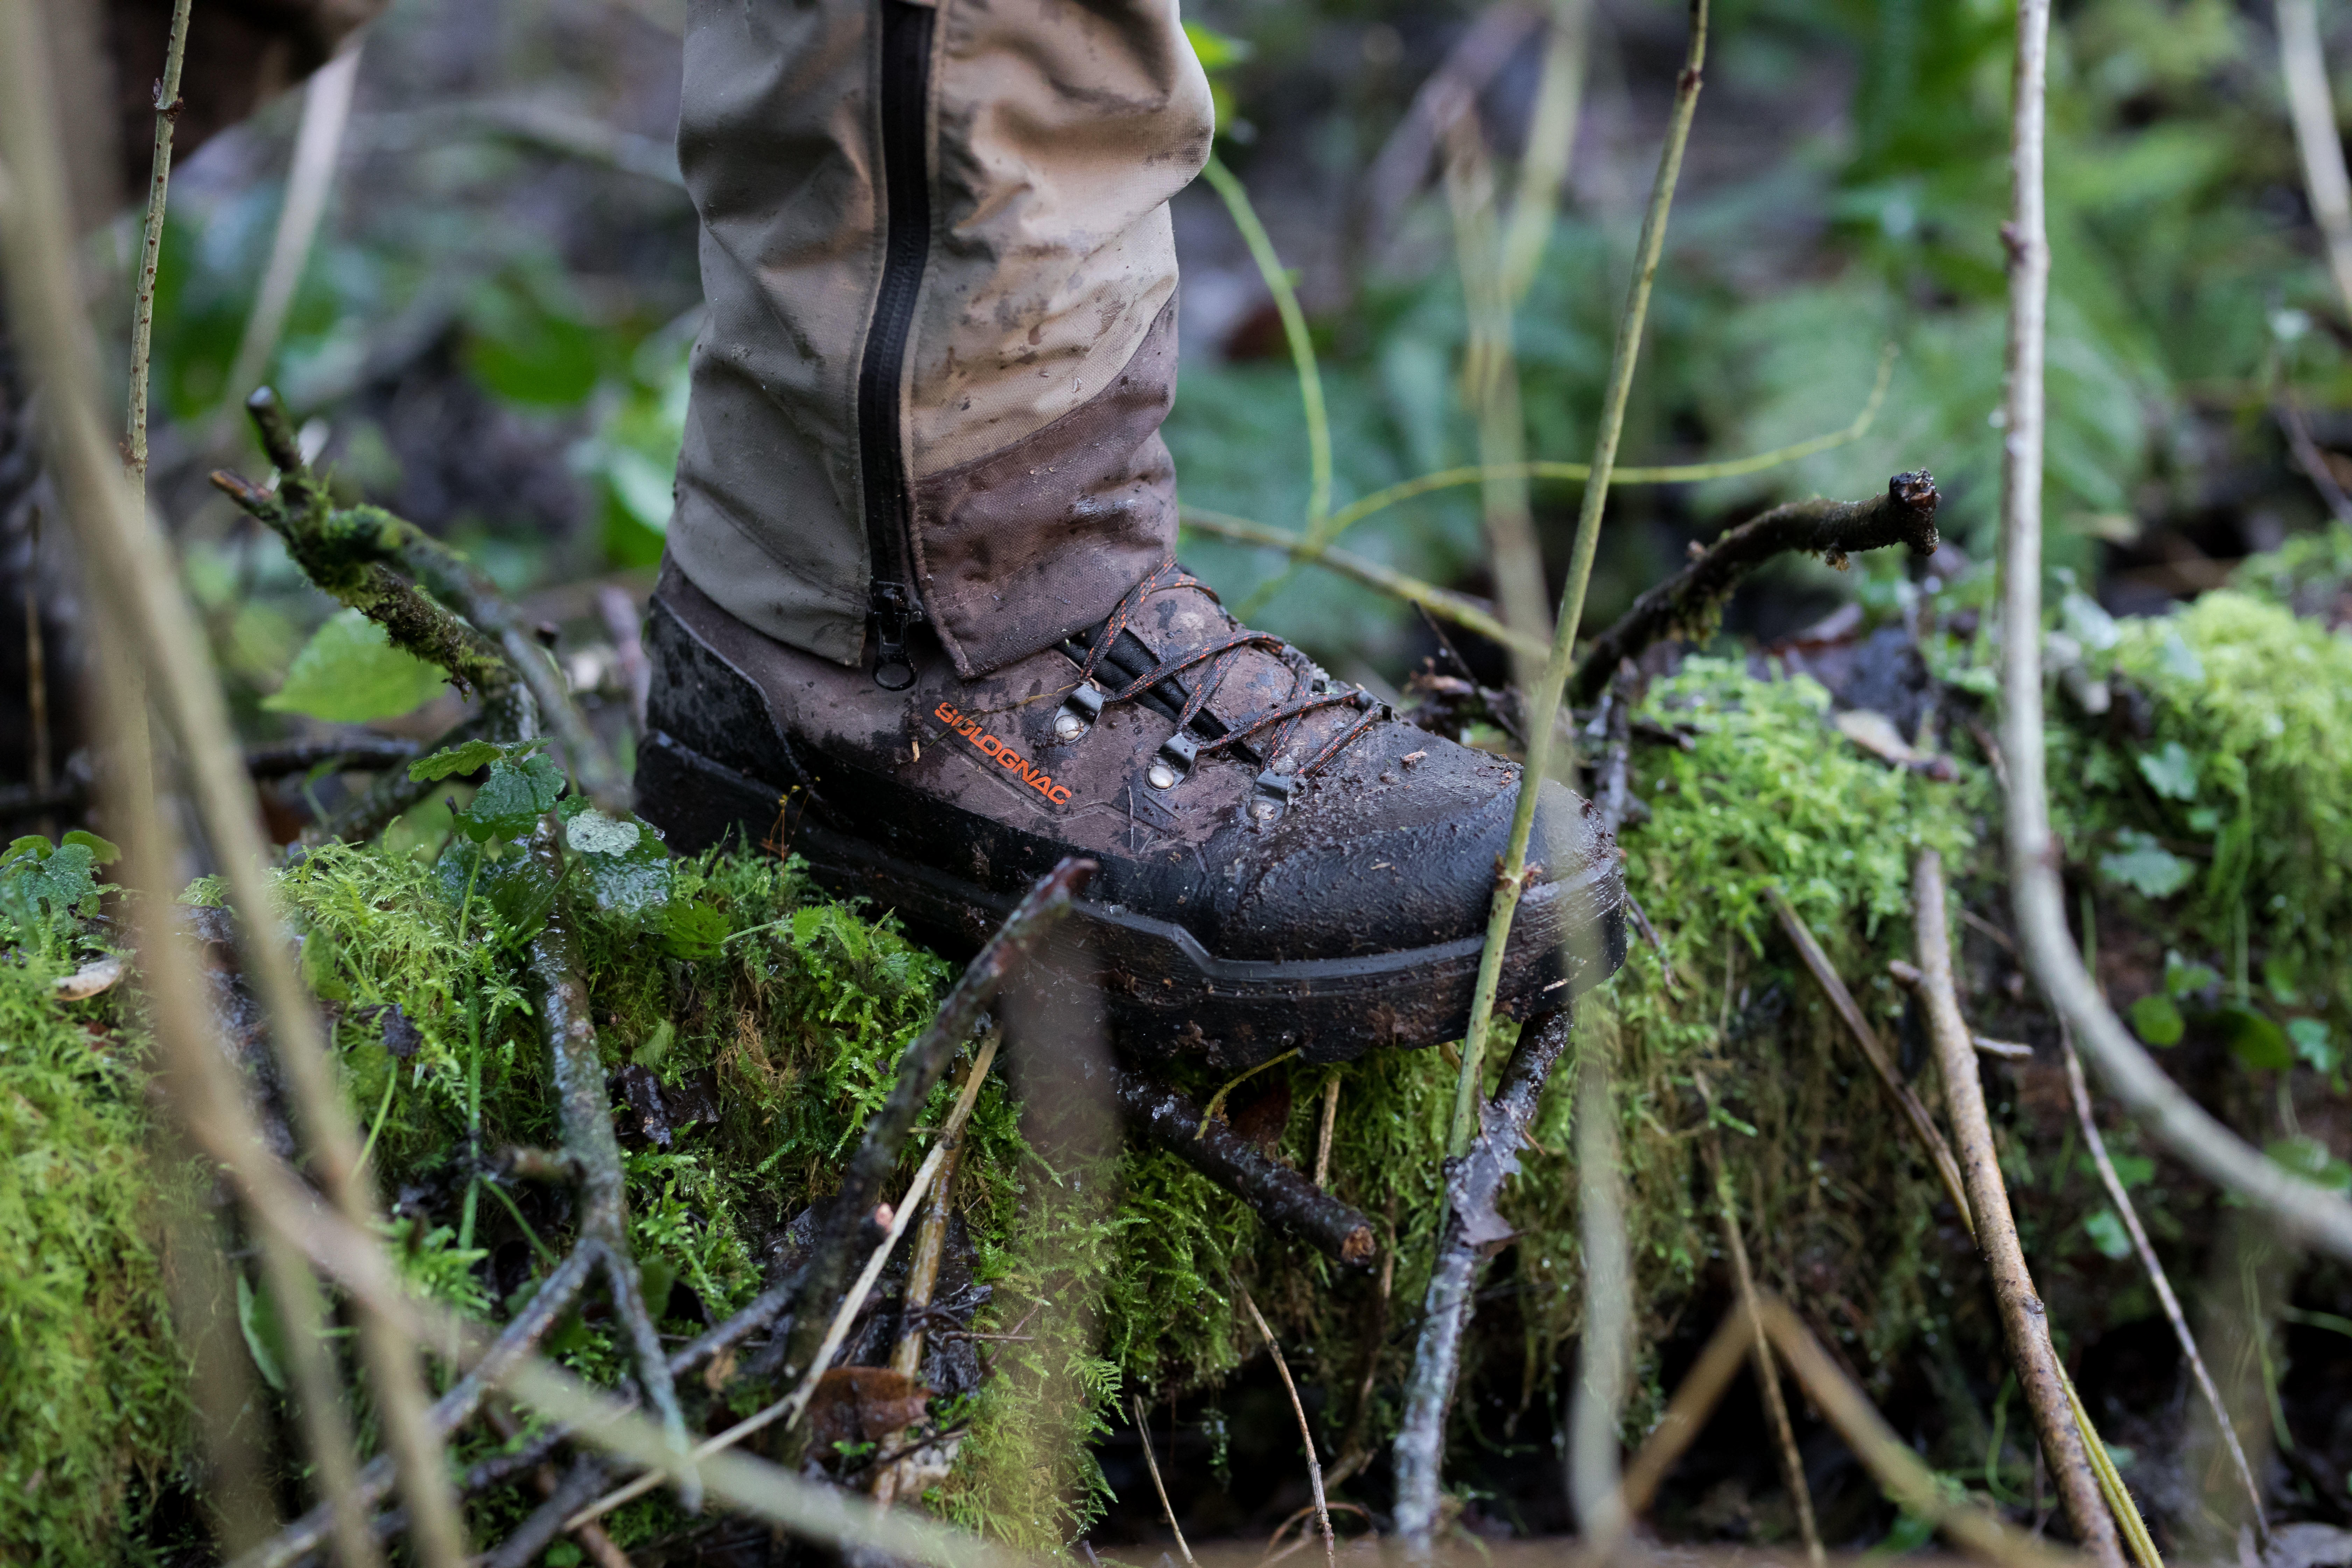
(942,376)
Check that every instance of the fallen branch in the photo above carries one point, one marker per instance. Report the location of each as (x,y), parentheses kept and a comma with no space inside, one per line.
(919,1071)
(1473,1231)
(584,1111)
(358,753)
(1931,1141)
(1305,1433)
(2304,1209)
(1686,603)
(1285,1200)
(2162,1285)
(2024,1320)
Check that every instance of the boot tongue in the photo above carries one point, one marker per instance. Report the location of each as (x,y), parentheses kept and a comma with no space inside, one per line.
(1257,678)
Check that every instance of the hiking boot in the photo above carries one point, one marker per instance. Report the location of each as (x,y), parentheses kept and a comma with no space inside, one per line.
(1283,864)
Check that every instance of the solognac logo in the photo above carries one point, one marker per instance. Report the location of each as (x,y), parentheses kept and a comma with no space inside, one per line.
(1003,755)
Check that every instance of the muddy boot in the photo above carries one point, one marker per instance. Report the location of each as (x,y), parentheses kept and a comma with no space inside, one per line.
(1283,864)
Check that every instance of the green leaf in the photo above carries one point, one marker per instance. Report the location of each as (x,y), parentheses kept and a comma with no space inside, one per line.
(2279,978)
(348,673)
(2312,1046)
(2155,1019)
(2106,1231)
(259,1327)
(2182,978)
(2172,772)
(471,757)
(594,833)
(627,869)
(2309,1158)
(2146,866)
(692,930)
(32,845)
(2256,1040)
(513,798)
(100,850)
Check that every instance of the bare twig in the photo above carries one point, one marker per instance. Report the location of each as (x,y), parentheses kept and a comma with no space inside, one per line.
(317,142)
(2121,1198)
(358,753)
(623,626)
(143,599)
(2024,1322)
(326,1425)
(2304,1209)
(1473,1231)
(2309,458)
(1151,1462)
(150,242)
(1283,1198)
(1605,1349)
(36,672)
(1732,1343)
(1767,1376)
(1305,1433)
(1324,1127)
(591,1537)
(1889,1460)
(1686,604)
(919,1067)
(1491,387)
(583,1107)
(2311,104)
(789,1409)
(1551,146)
(1923,1126)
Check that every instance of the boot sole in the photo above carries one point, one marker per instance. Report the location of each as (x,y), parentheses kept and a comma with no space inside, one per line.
(1157,991)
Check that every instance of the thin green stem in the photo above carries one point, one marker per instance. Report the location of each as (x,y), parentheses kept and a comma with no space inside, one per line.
(1543,702)
(1231,192)
(1548,468)
(382,1109)
(151,243)
(546,1253)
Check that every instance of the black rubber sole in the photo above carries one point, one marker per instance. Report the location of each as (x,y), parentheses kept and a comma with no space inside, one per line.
(1157,992)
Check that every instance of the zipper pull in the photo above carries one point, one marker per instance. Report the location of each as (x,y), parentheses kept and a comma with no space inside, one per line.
(895,609)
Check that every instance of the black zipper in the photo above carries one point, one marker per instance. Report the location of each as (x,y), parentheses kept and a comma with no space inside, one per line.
(906,246)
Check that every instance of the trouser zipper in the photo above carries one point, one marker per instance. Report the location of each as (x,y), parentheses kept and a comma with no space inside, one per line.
(892,600)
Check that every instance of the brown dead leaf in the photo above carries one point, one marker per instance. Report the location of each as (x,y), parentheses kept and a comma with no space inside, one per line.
(863,1405)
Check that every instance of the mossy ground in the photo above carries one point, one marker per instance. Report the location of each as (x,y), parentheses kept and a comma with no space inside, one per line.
(1123,1264)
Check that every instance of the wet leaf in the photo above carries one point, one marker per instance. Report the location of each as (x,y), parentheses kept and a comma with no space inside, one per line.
(594,833)
(2256,1040)
(2144,865)
(693,930)
(348,673)
(2156,1020)
(517,794)
(471,757)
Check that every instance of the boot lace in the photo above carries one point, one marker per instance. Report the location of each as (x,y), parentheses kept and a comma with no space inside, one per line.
(1311,691)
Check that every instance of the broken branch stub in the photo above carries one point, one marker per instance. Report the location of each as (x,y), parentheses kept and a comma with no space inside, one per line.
(1686,604)
(1281,1198)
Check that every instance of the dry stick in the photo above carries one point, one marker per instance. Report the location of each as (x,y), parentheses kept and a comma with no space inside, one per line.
(584,1110)
(318,143)
(1551,148)
(1685,605)
(1305,1433)
(1323,1131)
(1732,1343)
(1472,1229)
(919,1070)
(2156,1277)
(2024,1320)
(1898,1471)
(1283,1198)
(591,1537)
(1605,1356)
(1767,1376)
(129,567)
(326,1425)
(790,1408)
(1931,1140)
(1491,386)
(2305,1210)
(150,242)
(922,1280)
(36,664)
(2311,104)
(1151,1462)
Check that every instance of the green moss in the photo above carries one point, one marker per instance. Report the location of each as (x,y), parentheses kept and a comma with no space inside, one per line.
(92,1381)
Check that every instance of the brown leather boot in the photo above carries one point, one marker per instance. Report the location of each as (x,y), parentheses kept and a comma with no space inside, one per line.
(1282,863)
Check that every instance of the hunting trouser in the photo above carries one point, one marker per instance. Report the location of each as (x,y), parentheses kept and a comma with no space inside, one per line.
(941,331)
